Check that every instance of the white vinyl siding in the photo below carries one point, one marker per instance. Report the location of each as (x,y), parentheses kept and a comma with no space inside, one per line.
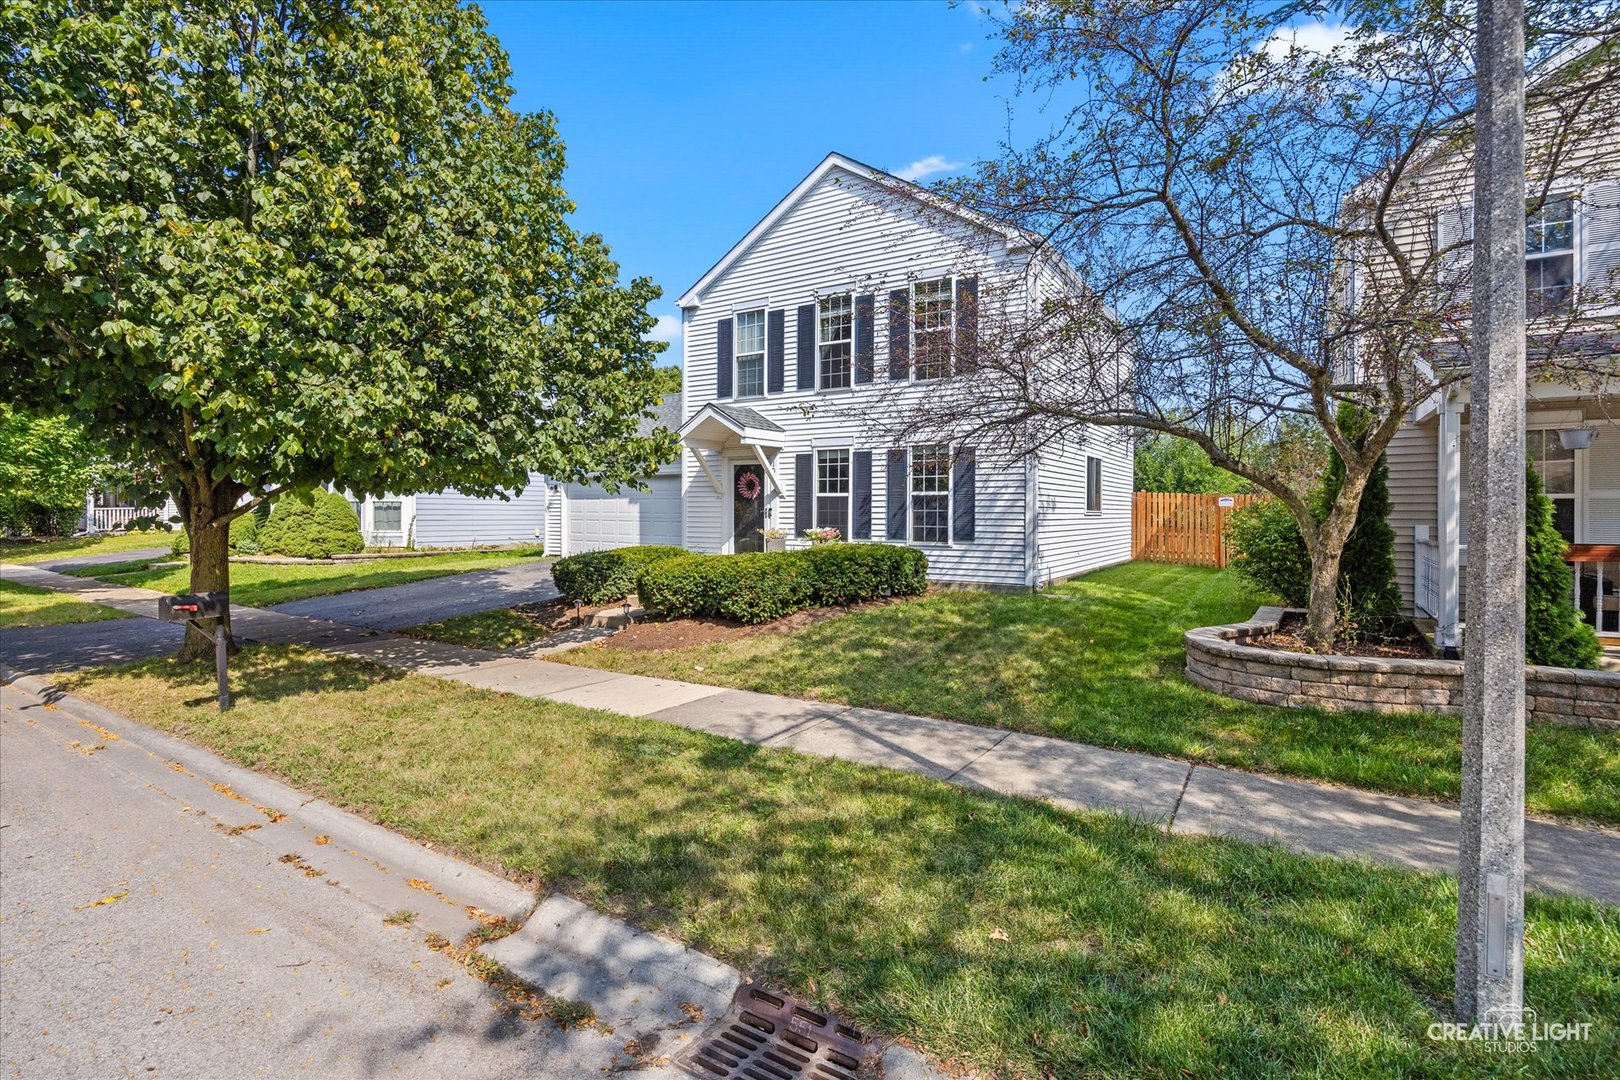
(1414,462)
(846,237)
(451,519)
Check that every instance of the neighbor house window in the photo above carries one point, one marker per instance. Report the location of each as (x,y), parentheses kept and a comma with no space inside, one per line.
(930,494)
(832,491)
(1556,467)
(1549,257)
(751,354)
(835,335)
(386,517)
(1093,485)
(931,328)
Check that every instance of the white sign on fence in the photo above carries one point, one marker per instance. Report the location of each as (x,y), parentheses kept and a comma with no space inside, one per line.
(1227,500)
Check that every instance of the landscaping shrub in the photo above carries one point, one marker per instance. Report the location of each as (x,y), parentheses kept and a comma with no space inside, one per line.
(850,573)
(318,529)
(757,588)
(1267,550)
(244,538)
(752,588)
(1554,632)
(600,577)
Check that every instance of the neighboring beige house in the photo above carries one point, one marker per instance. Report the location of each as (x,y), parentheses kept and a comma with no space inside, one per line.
(1572,268)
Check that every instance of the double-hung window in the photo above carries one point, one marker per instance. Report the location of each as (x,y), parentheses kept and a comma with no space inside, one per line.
(750,354)
(1093,485)
(931,328)
(835,337)
(931,494)
(1556,467)
(832,491)
(386,517)
(1549,257)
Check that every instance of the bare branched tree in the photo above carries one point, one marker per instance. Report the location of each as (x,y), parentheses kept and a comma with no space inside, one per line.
(1261,227)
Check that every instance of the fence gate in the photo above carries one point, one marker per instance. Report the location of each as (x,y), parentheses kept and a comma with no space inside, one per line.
(1179,528)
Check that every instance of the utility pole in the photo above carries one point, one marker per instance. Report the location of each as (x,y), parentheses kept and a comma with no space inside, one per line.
(1490,902)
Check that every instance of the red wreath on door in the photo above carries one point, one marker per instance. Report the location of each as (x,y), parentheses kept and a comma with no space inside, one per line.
(749,486)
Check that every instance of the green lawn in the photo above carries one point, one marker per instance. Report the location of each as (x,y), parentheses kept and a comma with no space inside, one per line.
(28,551)
(504,628)
(1001,934)
(24,605)
(259,584)
(1099,660)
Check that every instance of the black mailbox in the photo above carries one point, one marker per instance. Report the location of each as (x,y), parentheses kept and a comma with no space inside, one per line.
(189,606)
(194,607)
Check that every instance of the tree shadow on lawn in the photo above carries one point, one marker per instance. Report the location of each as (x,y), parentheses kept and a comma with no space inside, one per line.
(1006,933)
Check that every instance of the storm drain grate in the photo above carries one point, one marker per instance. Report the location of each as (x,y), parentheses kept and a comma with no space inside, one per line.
(766,1036)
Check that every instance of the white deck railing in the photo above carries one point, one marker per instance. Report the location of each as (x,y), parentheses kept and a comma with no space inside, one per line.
(107,518)
(1597,585)
(1426,572)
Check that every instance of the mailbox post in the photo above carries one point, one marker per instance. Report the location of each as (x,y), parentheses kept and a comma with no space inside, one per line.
(192,608)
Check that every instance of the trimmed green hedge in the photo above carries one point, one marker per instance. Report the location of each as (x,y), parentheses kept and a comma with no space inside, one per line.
(319,529)
(757,588)
(600,577)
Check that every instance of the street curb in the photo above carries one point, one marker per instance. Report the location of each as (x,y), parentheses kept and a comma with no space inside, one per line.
(463,880)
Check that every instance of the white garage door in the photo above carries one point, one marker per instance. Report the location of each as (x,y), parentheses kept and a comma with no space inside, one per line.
(597,520)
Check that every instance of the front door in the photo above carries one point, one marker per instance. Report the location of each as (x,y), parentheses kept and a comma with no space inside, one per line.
(747,508)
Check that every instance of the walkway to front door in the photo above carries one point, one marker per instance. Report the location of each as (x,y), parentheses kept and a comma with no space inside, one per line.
(747,508)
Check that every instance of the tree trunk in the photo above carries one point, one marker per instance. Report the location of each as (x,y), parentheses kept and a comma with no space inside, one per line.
(1322,609)
(207,503)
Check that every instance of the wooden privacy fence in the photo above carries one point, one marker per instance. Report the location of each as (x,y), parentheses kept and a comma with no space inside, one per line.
(1179,528)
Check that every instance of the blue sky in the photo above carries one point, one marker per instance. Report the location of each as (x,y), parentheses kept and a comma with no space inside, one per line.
(686,122)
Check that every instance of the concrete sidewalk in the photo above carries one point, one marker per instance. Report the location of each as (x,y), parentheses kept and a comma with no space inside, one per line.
(1182,798)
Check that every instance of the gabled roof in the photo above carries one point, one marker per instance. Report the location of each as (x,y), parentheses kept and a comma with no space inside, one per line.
(716,423)
(693,296)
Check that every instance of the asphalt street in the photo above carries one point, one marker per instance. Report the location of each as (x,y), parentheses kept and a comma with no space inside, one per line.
(139,938)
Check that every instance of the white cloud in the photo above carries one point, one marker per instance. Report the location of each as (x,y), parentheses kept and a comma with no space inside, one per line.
(928,166)
(965,47)
(1312,37)
(667,328)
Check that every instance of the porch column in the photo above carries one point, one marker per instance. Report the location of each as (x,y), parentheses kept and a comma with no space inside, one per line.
(90,511)
(1447,540)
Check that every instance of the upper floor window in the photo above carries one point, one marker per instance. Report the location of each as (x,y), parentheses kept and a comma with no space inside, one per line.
(835,336)
(931,328)
(833,491)
(930,494)
(1549,256)
(751,354)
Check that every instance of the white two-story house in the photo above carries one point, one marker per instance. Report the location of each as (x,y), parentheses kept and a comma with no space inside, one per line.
(855,293)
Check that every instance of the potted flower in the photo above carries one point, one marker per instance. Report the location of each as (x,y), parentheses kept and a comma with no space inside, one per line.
(775,539)
(827,535)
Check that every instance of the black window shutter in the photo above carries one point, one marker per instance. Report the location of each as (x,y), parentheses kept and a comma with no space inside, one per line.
(722,375)
(900,334)
(804,492)
(807,347)
(962,495)
(861,488)
(775,350)
(967,323)
(865,316)
(897,493)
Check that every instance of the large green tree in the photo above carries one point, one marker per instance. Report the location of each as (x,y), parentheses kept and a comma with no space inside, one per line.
(46,466)
(269,245)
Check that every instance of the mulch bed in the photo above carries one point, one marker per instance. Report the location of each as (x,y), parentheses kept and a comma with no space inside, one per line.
(658,634)
(1290,637)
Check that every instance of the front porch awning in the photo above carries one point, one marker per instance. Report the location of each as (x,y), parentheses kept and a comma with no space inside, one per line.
(728,427)
(721,428)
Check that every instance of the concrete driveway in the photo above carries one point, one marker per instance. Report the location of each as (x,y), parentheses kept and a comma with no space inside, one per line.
(417,602)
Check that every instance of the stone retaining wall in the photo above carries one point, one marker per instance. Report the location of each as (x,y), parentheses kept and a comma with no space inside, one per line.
(1219,660)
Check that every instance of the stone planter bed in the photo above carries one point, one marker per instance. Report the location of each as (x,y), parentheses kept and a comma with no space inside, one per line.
(1220,659)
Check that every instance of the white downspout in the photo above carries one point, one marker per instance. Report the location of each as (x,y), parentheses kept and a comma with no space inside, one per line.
(1447,636)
